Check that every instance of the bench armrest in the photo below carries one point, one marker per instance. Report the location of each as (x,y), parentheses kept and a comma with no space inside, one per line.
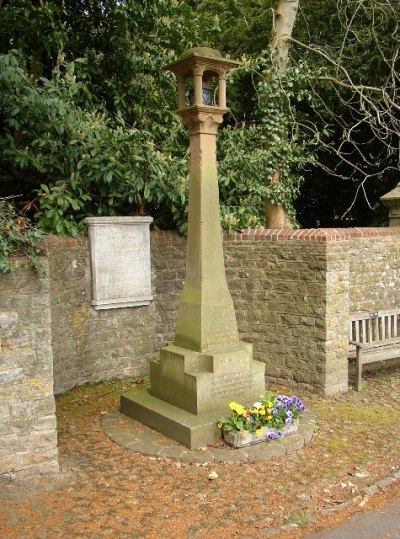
(356,343)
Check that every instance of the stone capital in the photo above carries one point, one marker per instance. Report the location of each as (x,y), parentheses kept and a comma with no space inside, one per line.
(198,70)
(202,119)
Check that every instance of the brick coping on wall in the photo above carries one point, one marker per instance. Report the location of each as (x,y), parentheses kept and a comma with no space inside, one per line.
(259,234)
(54,242)
(310,234)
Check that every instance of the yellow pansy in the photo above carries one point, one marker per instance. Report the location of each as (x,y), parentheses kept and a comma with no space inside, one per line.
(219,425)
(259,431)
(238,408)
(269,418)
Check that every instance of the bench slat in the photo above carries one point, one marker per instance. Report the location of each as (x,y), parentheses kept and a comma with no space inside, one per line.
(370,354)
(390,323)
(375,345)
(364,315)
(386,325)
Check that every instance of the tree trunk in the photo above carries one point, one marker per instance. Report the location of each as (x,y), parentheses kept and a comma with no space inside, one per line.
(284,20)
(275,214)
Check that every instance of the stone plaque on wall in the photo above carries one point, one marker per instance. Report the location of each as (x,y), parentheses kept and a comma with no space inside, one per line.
(120,261)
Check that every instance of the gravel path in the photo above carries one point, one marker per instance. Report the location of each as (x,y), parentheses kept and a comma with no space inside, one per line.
(108,491)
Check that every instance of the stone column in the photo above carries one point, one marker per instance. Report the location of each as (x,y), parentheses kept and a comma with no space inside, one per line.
(207,366)
(206,314)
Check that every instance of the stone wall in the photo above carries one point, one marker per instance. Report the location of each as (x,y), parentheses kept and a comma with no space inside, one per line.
(28,438)
(89,345)
(374,268)
(168,261)
(293,292)
(290,304)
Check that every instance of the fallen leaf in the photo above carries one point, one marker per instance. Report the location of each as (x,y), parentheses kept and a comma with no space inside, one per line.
(361,475)
(213,475)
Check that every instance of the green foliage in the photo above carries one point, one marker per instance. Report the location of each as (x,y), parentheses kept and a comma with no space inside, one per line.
(126,153)
(86,162)
(88,122)
(252,154)
(244,25)
(87,117)
(17,234)
(355,135)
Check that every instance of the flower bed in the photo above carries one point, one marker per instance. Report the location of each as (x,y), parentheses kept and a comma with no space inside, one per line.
(272,417)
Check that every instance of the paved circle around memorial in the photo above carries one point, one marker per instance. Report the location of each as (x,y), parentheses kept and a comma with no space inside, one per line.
(135,436)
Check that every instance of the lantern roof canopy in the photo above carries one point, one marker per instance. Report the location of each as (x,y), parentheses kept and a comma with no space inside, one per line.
(392,196)
(209,58)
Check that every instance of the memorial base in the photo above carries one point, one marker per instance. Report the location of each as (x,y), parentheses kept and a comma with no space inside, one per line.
(192,431)
(191,390)
(202,382)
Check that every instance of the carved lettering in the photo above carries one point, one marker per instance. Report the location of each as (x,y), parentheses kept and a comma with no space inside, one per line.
(229,385)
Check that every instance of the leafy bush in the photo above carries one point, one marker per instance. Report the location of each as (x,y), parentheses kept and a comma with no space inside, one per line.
(270,143)
(17,234)
(90,163)
(96,164)
(88,124)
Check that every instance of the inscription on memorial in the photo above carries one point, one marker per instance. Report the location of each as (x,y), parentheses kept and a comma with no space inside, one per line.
(227,385)
(120,260)
(219,327)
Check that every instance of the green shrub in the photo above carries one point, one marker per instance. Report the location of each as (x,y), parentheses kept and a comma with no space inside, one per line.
(17,234)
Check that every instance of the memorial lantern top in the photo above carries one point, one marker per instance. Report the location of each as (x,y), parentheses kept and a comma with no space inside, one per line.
(201,64)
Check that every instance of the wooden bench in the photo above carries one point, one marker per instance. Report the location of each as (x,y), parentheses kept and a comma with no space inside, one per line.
(374,336)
